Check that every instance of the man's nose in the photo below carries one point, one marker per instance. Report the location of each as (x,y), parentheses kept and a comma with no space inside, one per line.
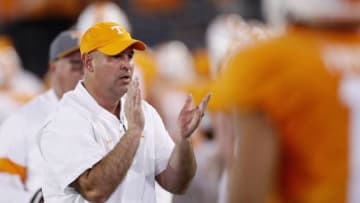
(126,66)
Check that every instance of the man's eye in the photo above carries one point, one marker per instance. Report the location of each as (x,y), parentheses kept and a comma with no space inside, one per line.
(117,56)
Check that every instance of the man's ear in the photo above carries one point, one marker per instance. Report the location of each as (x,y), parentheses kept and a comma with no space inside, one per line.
(52,67)
(86,59)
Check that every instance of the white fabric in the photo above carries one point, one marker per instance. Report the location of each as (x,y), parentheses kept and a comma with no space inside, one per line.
(350,95)
(223,187)
(323,11)
(8,105)
(100,12)
(80,133)
(27,82)
(162,195)
(18,144)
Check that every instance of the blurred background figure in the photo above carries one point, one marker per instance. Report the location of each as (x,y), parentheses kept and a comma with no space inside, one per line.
(176,68)
(174,65)
(221,35)
(33,24)
(100,11)
(20,164)
(17,86)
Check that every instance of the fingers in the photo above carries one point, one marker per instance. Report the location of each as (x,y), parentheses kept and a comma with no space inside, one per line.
(198,111)
(188,102)
(137,97)
(205,102)
(202,106)
(190,115)
(133,89)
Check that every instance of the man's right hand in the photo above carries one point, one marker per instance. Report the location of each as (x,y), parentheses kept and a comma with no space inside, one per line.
(133,108)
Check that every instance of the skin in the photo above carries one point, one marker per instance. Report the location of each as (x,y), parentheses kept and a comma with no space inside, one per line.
(108,78)
(253,169)
(66,72)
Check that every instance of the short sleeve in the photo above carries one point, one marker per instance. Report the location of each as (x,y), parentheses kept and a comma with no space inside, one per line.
(164,145)
(68,147)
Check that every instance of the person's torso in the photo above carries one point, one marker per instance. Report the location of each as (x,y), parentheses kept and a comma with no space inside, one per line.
(308,82)
(19,134)
(139,182)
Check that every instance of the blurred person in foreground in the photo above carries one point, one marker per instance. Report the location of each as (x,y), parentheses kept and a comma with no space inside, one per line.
(297,101)
(104,143)
(225,35)
(20,163)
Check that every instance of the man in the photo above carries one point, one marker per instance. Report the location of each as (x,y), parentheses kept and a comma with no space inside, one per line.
(20,168)
(104,143)
(296,100)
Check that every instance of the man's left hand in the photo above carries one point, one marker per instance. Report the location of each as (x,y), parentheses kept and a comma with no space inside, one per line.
(190,117)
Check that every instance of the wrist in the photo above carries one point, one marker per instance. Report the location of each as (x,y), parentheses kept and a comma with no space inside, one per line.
(134,132)
(182,140)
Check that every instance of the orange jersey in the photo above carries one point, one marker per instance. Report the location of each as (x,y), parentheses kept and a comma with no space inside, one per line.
(306,81)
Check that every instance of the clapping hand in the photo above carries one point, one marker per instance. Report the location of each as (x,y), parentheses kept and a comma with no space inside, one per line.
(133,109)
(190,117)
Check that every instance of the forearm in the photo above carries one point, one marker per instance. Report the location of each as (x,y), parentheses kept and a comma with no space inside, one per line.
(181,168)
(99,182)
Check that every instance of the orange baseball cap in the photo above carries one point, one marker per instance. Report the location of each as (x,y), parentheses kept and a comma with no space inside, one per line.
(109,38)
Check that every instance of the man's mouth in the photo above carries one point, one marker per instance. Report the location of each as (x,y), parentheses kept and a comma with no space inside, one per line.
(125,78)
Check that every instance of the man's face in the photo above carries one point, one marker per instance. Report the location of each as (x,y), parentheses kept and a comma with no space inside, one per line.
(68,71)
(113,73)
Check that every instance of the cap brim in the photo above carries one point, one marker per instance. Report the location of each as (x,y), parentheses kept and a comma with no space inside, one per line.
(118,46)
(68,52)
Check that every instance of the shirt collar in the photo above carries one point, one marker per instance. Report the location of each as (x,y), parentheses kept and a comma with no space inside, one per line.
(91,104)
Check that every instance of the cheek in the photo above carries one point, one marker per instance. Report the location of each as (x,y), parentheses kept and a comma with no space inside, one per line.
(104,75)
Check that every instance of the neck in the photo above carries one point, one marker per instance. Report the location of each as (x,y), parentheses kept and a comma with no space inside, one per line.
(58,92)
(110,103)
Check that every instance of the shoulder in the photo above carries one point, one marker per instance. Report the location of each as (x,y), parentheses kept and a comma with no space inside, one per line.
(69,115)
(32,113)
(148,108)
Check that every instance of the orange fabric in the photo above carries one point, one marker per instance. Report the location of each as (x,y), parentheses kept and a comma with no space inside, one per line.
(147,64)
(5,42)
(8,166)
(289,79)
(11,10)
(202,63)
(149,6)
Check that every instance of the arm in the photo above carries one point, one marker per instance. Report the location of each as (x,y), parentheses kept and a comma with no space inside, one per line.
(255,161)
(180,170)
(98,183)
(182,165)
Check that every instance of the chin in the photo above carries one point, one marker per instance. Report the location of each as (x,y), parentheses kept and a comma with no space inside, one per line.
(123,91)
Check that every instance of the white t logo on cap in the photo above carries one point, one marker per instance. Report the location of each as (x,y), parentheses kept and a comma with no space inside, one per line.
(118,29)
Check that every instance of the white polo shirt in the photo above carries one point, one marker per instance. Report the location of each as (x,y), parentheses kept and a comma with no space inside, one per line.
(20,161)
(81,133)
